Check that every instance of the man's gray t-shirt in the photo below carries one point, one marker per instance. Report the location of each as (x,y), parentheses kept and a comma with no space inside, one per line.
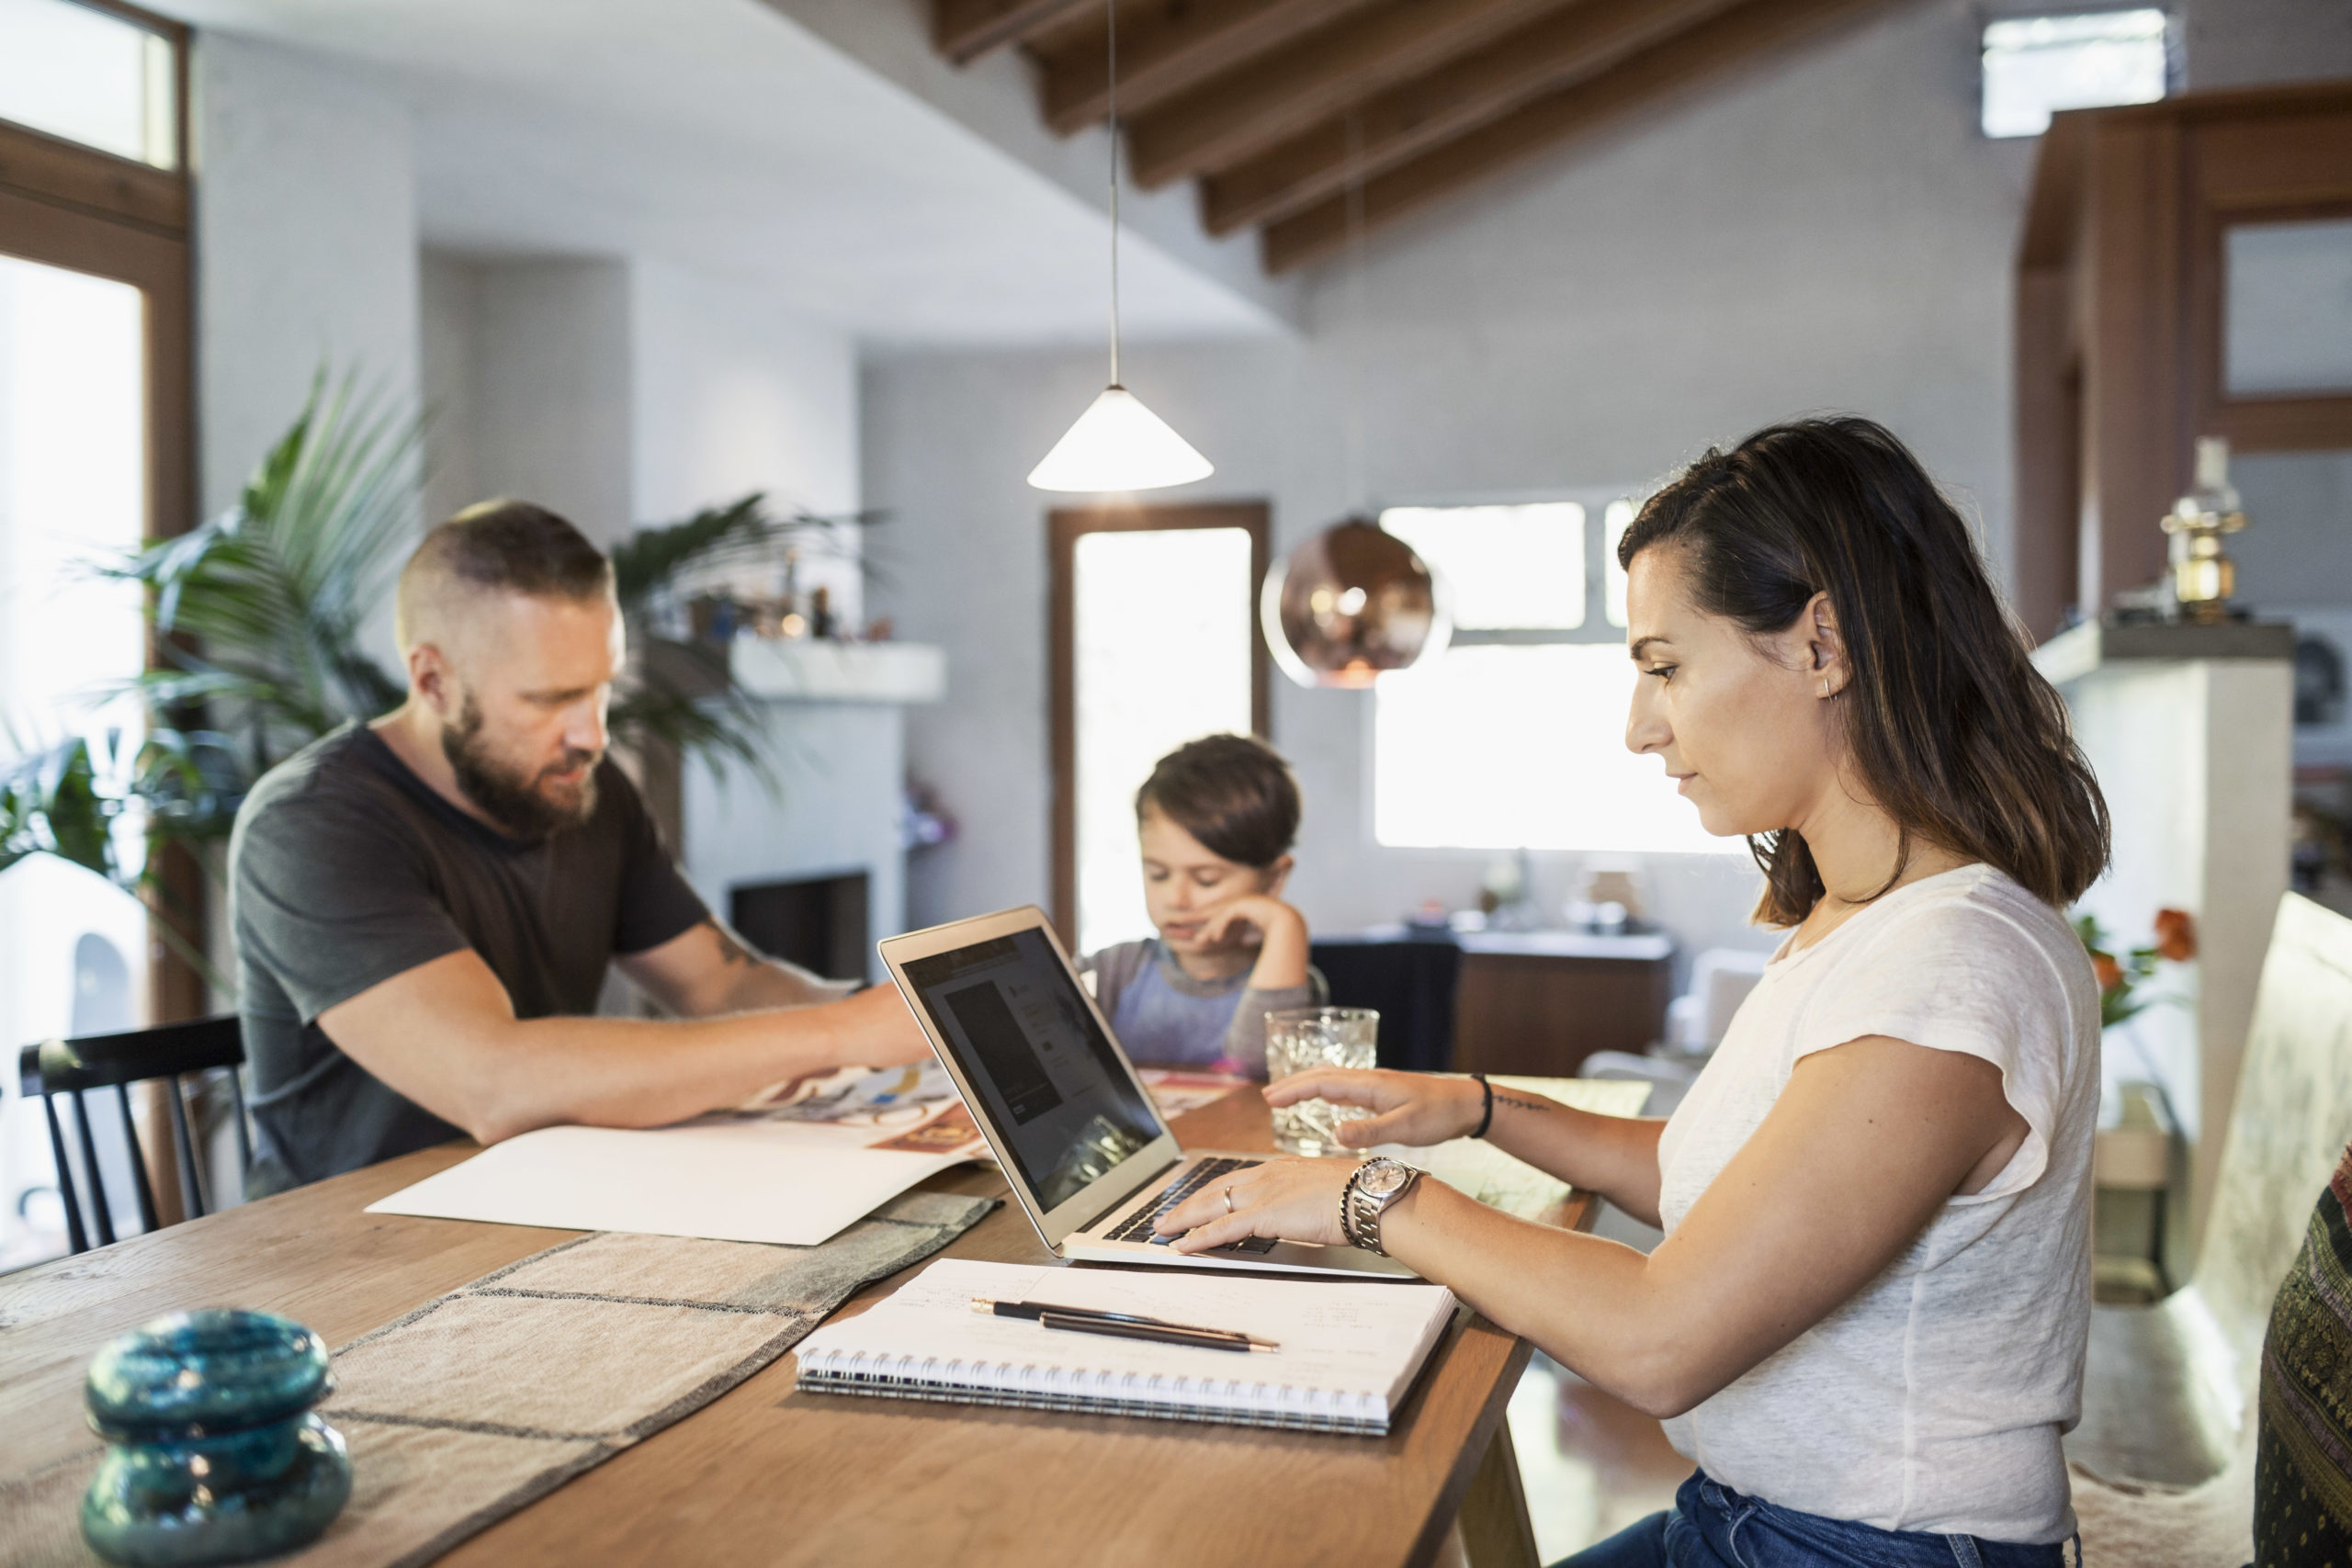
(346,869)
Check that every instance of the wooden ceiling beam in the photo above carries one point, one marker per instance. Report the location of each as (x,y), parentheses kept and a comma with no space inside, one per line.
(1386,130)
(1168,47)
(1278,95)
(1656,76)
(963,30)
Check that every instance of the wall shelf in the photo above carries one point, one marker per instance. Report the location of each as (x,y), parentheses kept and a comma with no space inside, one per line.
(811,671)
(2078,650)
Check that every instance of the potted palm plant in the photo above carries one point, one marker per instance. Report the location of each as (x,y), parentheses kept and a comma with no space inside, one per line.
(258,618)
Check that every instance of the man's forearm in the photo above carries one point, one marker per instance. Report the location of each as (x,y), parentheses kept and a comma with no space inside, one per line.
(773,983)
(445,1035)
(613,1072)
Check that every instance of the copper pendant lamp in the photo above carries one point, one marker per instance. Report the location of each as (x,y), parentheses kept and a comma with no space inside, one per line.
(1354,602)
(1351,603)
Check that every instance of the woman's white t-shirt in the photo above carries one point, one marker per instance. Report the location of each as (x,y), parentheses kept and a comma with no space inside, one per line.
(1933,1399)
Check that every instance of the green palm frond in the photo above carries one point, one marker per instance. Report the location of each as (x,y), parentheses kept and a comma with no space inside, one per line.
(259,611)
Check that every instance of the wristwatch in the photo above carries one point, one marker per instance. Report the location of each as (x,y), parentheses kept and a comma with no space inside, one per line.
(1376,1184)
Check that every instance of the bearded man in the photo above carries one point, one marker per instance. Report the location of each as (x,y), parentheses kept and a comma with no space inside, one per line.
(425,906)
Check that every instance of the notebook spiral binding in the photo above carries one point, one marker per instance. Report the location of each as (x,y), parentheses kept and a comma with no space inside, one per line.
(1028,1386)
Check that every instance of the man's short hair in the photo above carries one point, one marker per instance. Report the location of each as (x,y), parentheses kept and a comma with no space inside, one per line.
(1232,792)
(500,547)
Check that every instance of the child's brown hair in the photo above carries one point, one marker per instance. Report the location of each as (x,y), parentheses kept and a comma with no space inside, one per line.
(1232,792)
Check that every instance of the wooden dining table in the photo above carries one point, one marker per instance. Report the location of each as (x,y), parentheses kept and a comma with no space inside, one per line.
(764,1475)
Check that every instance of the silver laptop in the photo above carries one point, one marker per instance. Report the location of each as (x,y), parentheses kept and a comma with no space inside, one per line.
(1057,1097)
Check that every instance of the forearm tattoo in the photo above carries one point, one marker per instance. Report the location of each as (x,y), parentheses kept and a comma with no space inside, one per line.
(1521,1103)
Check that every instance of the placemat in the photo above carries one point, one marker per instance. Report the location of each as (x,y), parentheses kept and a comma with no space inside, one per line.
(486,1399)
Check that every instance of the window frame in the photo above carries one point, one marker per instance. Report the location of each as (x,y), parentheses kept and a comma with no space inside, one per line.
(1064,526)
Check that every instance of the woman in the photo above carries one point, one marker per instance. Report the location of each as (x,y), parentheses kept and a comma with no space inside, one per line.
(1867,1321)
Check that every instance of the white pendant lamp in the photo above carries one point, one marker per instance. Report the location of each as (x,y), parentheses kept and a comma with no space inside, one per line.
(1118,444)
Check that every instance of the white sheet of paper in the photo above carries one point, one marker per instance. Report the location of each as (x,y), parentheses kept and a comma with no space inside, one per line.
(793,1184)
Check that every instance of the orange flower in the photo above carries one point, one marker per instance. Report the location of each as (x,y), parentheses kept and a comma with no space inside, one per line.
(2109,972)
(2176,935)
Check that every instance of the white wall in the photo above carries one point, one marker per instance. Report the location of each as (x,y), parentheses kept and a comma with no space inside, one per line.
(734,393)
(551,403)
(1832,235)
(622,392)
(2240,43)
(305,242)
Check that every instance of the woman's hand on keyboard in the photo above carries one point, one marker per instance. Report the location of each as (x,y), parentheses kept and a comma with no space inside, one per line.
(1407,1108)
(1289,1200)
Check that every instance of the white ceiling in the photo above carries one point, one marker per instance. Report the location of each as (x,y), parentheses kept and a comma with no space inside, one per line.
(720,135)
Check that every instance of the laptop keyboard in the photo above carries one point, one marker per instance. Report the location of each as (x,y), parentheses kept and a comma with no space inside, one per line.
(1137,1226)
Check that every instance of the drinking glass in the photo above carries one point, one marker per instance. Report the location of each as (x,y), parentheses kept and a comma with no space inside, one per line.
(1300,1038)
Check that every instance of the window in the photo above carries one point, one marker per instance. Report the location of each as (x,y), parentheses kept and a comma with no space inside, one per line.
(2287,308)
(1155,644)
(71,440)
(1515,736)
(1508,565)
(1613,523)
(94,76)
(95,454)
(2037,65)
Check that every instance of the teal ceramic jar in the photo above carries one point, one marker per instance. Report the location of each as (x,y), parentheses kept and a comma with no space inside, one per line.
(213,1453)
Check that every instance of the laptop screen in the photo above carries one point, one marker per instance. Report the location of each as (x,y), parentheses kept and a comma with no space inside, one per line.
(1056,1092)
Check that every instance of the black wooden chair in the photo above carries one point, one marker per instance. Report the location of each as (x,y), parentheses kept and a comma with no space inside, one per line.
(73,1068)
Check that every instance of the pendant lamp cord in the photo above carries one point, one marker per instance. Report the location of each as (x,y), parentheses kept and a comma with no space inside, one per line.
(1356,477)
(1111,96)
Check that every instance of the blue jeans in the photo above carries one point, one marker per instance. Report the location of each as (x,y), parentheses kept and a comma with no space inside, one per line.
(1710,1526)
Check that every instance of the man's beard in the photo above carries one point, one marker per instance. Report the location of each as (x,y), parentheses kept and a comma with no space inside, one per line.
(513,802)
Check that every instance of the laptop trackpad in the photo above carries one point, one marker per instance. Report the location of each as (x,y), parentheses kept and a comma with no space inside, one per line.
(1256,1246)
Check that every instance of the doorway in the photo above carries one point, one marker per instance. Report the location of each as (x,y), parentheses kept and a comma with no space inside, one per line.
(1153,633)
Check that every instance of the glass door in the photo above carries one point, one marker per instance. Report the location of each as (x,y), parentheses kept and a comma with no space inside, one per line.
(1155,644)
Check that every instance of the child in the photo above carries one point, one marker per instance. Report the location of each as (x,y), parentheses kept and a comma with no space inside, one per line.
(1216,819)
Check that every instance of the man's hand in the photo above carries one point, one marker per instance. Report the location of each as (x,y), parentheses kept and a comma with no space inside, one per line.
(880,1030)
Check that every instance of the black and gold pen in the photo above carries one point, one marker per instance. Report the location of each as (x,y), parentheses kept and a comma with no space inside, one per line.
(1122,1325)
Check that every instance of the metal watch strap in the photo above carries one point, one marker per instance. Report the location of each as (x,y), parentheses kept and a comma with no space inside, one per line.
(1360,1212)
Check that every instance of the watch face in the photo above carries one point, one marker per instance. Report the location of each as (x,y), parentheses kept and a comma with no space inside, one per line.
(1382,1180)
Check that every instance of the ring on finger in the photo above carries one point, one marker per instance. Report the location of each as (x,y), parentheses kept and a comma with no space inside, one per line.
(1228,1200)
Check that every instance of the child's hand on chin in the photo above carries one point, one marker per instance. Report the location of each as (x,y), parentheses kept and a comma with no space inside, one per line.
(1249,921)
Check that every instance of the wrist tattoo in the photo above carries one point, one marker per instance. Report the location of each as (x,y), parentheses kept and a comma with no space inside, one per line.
(1519,1101)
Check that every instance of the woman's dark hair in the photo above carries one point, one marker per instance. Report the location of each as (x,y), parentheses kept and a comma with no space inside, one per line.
(1231,792)
(1951,727)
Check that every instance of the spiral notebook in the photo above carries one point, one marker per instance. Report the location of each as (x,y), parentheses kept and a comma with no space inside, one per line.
(1349,1350)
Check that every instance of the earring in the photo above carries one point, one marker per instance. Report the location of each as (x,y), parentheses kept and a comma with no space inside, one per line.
(1825,686)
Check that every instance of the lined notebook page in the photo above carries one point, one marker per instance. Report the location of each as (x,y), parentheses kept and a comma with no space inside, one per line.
(1350,1350)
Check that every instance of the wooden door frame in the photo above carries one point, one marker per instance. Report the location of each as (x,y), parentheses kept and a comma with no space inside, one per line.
(1063,528)
(69,206)
(2120,287)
